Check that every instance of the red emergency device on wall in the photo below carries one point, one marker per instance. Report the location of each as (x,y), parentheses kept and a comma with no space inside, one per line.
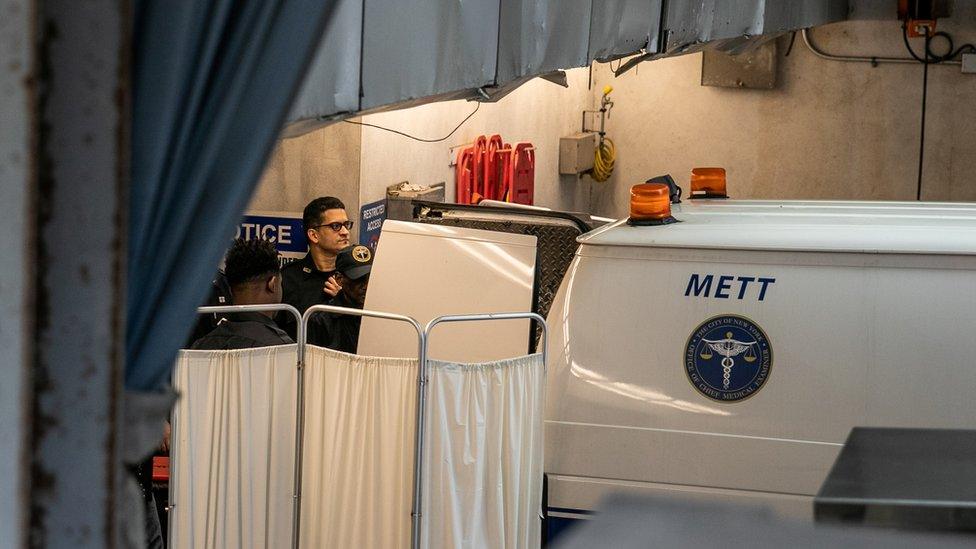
(478,183)
(522,184)
(464,175)
(492,174)
(492,169)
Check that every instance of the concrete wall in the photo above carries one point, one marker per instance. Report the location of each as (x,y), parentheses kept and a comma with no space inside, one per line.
(539,112)
(829,130)
(319,163)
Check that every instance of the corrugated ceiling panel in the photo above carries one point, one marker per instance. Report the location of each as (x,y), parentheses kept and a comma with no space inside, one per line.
(332,83)
(694,22)
(419,48)
(623,27)
(787,16)
(417,51)
(691,24)
(538,36)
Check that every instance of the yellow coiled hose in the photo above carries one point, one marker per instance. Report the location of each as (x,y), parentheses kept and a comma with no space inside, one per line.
(603,161)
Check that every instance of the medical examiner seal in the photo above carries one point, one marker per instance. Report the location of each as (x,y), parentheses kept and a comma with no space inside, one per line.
(728,358)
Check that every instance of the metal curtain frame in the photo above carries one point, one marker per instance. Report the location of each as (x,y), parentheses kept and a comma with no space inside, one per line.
(300,336)
(423,335)
(422,398)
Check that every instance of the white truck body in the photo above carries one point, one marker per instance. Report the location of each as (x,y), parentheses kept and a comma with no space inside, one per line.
(865,318)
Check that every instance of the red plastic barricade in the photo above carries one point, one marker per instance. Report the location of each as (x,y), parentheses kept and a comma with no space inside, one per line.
(478,184)
(491,169)
(522,185)
(464,173)
(504,159)
(492,175)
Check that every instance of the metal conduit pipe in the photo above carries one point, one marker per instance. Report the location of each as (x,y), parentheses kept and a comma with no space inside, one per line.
(875,60)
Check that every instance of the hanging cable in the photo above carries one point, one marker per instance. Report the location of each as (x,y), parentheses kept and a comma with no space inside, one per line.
(603,160)
(921,139)
(931,57)
(926,61)
(421,139)
(789,49)
(874,60)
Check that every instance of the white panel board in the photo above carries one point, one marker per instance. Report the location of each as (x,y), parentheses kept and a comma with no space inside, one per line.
(425,271)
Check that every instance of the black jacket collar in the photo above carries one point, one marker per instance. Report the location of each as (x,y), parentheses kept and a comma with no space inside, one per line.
(250,316)
(309,269)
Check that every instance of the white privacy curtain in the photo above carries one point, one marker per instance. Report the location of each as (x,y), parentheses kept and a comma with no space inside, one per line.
(233,449)
(357,464)
(483,464)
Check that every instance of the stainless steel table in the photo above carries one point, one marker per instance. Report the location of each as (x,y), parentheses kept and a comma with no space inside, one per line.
(919,479)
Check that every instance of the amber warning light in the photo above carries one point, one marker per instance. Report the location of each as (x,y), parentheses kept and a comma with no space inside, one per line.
(650,204)
(708,183)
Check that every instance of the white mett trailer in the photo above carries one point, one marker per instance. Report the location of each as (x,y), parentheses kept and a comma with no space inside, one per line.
(723,350)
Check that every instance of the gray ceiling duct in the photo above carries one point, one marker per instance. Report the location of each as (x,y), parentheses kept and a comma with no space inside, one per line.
(694,24)
(538,36)
(418,48)
(384,54)
(623,27)
(734,26)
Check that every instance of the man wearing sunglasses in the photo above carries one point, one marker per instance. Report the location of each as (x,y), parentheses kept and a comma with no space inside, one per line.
(311,280)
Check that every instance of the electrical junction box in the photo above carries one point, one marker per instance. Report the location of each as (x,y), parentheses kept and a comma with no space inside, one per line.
(754,69)
(576,153)
(969,63)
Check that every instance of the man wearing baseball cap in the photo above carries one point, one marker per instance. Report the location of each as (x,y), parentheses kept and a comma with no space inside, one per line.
(341,332)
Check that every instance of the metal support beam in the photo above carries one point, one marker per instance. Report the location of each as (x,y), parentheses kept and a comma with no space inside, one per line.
(82,180)
(18,115)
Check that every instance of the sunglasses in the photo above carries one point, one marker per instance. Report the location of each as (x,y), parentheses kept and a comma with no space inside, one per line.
(337,226)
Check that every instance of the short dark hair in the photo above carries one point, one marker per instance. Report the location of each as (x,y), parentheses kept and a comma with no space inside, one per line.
(250,260)
(313,212)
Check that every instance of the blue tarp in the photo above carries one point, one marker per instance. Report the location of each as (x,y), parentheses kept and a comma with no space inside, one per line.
(212,83)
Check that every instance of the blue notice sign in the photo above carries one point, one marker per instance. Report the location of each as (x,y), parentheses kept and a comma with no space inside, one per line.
(284,230)
(371,219)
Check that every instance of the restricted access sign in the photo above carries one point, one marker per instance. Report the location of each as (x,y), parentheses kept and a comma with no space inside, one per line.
(371,217)
(283,229)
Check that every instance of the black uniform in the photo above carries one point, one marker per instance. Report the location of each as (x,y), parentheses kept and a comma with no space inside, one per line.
(243,331)
(302,286)
(335,331)
(220,294)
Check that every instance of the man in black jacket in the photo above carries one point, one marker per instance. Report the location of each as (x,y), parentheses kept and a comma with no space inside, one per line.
(311,280)
(339,331)
(254,275)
